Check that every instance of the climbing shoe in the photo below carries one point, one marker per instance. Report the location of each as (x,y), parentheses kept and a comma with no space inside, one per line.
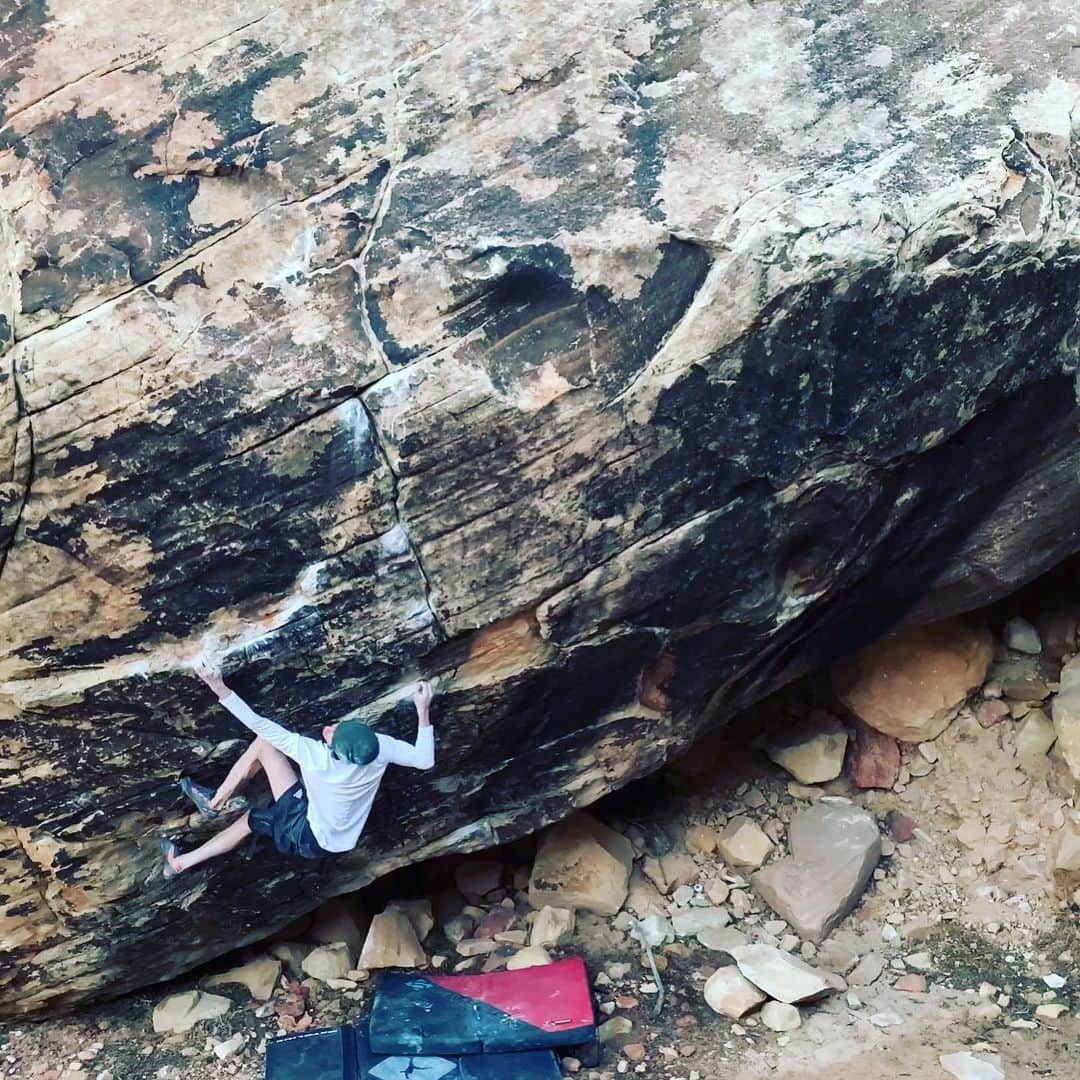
(199,795)
(168,847)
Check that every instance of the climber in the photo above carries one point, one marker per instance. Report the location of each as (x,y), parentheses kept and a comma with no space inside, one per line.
(323,811)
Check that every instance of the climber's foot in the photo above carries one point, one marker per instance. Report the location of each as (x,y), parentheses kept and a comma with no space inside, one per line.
(202,797)
(172,865)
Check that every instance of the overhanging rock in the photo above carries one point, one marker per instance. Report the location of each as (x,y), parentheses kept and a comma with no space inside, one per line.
(623,371)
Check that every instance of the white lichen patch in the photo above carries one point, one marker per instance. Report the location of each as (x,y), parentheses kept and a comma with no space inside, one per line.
(1049,111)
(955,86)
(621,252)
(758,57)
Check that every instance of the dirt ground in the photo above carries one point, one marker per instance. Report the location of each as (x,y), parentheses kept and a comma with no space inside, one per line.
(988,920)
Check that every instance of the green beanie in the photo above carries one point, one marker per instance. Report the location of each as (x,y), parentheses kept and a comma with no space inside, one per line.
(356,742)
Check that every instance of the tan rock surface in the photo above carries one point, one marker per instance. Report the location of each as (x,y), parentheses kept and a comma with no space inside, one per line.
(582,864)
(911,683)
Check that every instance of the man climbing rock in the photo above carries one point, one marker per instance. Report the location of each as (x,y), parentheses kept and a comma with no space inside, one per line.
(324,810)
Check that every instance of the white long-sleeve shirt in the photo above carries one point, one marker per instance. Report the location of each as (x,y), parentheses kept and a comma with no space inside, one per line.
(339,793)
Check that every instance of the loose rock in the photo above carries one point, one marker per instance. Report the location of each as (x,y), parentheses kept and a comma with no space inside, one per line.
(777,1016)
(260,976)
(335,961)
(530,956)
(582,864)
(813,752)
(743,844)
(552,926)
(730,993)
(874,761)
(910,684)
(1020,635)
(968,1066)
(834,849)
(391,942)
(1066,712)
(780,975)
(1035,736)
(181,1012)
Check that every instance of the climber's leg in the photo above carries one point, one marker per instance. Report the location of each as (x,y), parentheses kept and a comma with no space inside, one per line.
(259,755)
(229,838)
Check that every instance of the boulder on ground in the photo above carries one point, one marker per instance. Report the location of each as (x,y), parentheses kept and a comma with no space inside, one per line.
(780,975)
(331,961)
(834,849)
(692,921)
(181,1012)
(341,918)
(260,976)
(874,758)
(391,942)
(811,751)
(1035,735)
(291,954)
(477,878)
(777,1016)
(553,926)
(1066,857)
(1066,711)
(1020,635)
(582,864)
(701,839)
(530,956)
(730,993)
(742,844)
(418,912)
(911,683)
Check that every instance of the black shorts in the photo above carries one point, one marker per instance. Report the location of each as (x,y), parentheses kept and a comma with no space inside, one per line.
(285,822)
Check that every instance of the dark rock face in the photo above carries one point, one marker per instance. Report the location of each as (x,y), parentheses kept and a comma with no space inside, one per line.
(614,374)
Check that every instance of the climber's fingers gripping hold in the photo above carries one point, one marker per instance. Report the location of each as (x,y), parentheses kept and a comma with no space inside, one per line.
(423,695)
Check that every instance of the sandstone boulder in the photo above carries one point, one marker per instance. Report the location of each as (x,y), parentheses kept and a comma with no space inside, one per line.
(743,845)
(552,926)
(260,976)
(391,942)
(181,1012)
(579,362)
(1066,712)
(912,682)
(728,992)
(811,751)
(874,758)
(582,864)
(334,961)
(834,849)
